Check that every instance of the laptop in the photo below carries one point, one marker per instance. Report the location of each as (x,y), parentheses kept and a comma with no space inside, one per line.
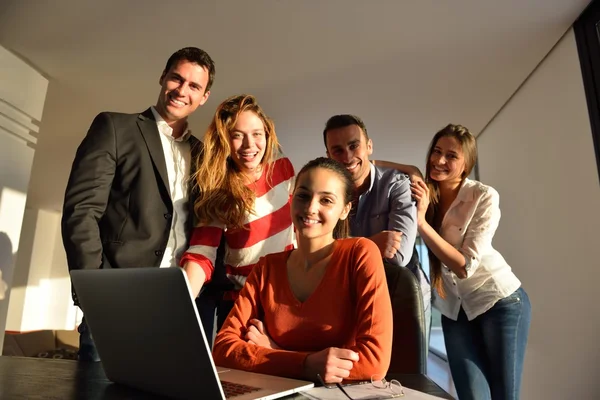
(149,336)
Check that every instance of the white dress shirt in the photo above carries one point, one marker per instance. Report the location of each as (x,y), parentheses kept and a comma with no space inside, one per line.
(178,158)
(469,225)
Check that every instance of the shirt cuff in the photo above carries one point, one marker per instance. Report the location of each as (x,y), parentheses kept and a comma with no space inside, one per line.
(204,263)
(470,265)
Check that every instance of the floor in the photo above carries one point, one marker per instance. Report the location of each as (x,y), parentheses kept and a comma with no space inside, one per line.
(437,370)
(437,366)
(436,342)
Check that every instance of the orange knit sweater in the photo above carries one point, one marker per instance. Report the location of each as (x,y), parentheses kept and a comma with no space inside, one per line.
(350,308)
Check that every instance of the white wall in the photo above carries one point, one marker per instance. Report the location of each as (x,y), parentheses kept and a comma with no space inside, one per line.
(539,154)
(15,165)
(22,96)
(41,294)
(40,297)
(401,126)
(32,258)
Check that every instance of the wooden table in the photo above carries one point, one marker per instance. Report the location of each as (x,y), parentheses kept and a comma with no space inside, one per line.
(39,378)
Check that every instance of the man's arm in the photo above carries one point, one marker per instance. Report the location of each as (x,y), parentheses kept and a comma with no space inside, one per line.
(87,194)
(403,218)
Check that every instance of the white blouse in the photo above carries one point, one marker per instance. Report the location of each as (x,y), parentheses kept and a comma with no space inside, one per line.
(469,225)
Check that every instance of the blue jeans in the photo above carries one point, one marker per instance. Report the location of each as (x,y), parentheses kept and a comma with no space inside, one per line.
(87,347)
(486,354)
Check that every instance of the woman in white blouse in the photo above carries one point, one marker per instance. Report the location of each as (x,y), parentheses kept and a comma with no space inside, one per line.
(485,312)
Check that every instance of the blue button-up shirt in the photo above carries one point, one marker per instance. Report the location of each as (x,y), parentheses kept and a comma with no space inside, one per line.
(388,205)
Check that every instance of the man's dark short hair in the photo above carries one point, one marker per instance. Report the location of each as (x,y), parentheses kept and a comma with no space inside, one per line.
(193,55)
(342,121)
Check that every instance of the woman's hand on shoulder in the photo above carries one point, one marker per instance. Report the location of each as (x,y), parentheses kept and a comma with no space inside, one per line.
(332,364)
(257,334)
(415,174)
(420,192)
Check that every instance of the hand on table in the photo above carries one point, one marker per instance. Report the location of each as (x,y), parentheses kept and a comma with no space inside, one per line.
(332,364)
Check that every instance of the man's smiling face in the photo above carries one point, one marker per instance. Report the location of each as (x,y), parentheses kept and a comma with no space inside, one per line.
(183,90)
(350,146)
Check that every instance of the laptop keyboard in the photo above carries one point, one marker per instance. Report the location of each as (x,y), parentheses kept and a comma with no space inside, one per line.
(236,389)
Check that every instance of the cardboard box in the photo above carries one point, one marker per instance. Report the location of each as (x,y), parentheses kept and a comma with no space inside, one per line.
(44,344)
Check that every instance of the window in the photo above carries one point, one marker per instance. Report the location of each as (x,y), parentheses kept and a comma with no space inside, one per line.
(436,338)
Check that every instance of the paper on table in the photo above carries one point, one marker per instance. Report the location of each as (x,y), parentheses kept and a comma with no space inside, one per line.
(412,394)
(364,392)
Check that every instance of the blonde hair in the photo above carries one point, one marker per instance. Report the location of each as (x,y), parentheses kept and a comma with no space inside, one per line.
(469,148)
(222,194)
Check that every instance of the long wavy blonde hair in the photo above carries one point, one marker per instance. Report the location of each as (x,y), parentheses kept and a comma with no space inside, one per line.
(469,148)
(222,194)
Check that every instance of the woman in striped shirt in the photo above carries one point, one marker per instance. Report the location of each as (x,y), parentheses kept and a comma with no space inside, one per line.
(244,185)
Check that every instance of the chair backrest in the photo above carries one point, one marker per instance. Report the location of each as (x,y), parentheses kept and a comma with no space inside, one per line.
(409,355)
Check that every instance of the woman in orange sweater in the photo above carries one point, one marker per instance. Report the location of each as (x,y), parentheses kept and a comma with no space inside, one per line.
(321,309)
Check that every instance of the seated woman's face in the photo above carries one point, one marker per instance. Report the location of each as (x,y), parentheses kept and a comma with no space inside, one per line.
(248,141)
(318,203)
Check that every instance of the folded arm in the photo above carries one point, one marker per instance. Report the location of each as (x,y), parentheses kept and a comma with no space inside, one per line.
(373,341)
(403,218)
(480,231)
(371,350)
(462,260)
(444,251)
(231,350)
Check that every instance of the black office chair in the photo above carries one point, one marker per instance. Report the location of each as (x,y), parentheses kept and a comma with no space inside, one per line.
(409,355)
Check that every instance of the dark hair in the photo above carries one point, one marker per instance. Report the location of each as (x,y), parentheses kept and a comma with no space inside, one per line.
(193,55)
(342,228)
(342,121)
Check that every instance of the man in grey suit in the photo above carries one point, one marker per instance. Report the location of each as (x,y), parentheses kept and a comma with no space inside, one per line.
(127,203)
(382,209)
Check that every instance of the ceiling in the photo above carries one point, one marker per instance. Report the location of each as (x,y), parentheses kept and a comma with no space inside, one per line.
(406,66)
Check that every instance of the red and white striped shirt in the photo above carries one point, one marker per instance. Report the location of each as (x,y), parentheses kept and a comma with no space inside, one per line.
(267,230)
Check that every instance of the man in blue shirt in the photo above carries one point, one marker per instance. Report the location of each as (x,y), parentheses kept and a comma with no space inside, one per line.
(383,208)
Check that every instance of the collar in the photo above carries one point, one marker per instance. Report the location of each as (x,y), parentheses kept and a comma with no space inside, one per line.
(371,182)
(165,129)
(465,193)
(372,177)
